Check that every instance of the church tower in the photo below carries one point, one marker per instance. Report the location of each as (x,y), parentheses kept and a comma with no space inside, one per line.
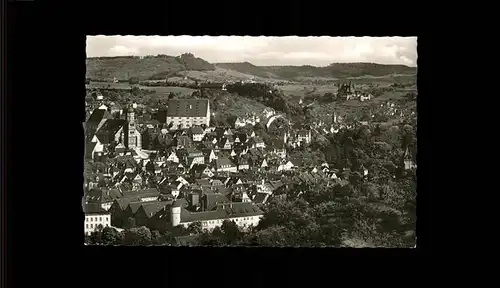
(130,138)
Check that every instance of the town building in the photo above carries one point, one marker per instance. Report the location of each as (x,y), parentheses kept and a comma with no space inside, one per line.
(244,214)
(95,216)
(188,113)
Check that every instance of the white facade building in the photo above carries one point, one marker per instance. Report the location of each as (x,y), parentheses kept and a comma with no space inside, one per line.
(245,215)
(188,113)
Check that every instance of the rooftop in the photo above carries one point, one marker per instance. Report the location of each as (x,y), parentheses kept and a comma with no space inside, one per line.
(187,108)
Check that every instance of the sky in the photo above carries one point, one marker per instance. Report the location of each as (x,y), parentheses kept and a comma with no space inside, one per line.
(263,51)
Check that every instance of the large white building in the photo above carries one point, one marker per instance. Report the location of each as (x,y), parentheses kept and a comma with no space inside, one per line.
(188,112)
(95,216)
(244,214)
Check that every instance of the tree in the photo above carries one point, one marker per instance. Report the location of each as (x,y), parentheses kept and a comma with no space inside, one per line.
(157,238)
(232,233)
(231,120)
(213,238)
(195,228)
(171,95)
(110,236)
(138,236)
(96,237)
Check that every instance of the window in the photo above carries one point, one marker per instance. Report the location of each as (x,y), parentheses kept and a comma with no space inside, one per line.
(107,225)
(91,225)
(91,219)
(100,218)
(87,226)
(86,219)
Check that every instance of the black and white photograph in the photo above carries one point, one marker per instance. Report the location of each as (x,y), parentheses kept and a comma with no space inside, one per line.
(243,141)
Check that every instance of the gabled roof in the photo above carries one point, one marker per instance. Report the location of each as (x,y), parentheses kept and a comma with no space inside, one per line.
(260,198)
(111,126)
(151,208)
(98,115)
(222,161)
(89,147)
(213,199)
(93,208)
(124,201)
(143,193)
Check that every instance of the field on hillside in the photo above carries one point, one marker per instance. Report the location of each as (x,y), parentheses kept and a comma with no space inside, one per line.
(161,91)
(238,105)
(218,75)
(300,90)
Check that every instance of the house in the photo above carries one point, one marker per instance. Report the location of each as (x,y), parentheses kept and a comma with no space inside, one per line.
(224,164)
(110,130)
(98,149)
(182,180)
(188,112)
(263,164)
(243,164)
(182,142)
(260,198)
(192,156)
(240,122)
(286,167)
(172,157)
(242,214)
(95,122)
(211,155)
(210,200)
(227,143)
(217,182)
(304,136)
(201,170)
(196,133)
(90,150)
(148,210)
(102,197)
(118,208)
(365,97)
(95,217)
(257,142)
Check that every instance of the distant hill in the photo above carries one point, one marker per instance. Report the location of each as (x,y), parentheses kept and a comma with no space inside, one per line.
(163,66)
(334,70)
(144,68)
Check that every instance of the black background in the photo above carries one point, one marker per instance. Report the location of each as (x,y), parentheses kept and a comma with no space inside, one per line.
(43,179)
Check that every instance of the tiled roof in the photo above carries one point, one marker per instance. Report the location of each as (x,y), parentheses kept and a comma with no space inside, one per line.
(260,198)
(134,206)
(98,115)
(89,147)
(223,211)
(151,192)
(93,208)
(151,208)
(187,108)
(213,199)
(124,201)
(112,126)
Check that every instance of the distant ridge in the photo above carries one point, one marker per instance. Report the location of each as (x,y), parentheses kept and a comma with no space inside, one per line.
(160,67)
